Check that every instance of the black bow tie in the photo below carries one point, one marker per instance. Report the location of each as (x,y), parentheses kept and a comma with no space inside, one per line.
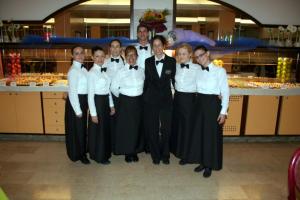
(159,61)
(115,60)
(184,65)
(205,68)
(103,69)
(82,66)
(146,48)
(133,67)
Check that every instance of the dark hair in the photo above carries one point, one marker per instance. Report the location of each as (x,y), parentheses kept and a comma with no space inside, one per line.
(97,48)
(141,26)
(200,47)
(115,40)
(129,49)
(159,37)
(74,47)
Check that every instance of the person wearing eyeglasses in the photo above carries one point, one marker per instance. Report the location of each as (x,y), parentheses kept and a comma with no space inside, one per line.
(207,141)
(128,86)
(101,107)
(76,108)
(184,103)
(160,72)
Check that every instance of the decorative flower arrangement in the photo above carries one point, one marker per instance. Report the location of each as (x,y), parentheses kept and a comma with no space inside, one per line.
(154,20)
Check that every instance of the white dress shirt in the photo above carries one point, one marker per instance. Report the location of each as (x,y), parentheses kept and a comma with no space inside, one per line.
(215,82)
(143,55)
(159,66)
(77,80)
(113,67)
(129,82)
(185,78)
(98,84)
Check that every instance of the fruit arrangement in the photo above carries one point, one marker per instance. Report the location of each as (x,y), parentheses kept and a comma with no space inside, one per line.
(14,64)
(284,65)
(218,62)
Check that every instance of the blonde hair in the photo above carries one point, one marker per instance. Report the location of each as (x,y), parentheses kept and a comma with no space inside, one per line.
(185,46)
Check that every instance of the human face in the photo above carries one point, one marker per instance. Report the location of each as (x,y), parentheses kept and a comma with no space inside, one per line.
(183,55)
(78,54)
(131,58)
(202,57)
(158,48)
(142,35)
(98,57)
(115,49)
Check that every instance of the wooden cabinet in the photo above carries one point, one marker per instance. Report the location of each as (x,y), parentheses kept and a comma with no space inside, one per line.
(261,115)
(54,112)
(232,125)
(21,112)
(289,116)
(8,119)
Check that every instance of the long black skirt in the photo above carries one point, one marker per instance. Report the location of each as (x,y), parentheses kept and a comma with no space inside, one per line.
(76,129)
(99,143)
(207,141)
(182,123)
(128,138)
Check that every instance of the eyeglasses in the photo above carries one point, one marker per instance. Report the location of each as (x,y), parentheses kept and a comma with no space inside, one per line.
(200,55)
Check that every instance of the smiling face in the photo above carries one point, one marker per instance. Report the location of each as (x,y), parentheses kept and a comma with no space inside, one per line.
(202,57)
(98,57)
(158,48)
(183,55)
(142,35)
(115,49)
(78,54)
(131,57)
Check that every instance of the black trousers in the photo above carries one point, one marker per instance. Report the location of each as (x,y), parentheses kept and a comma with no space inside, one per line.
(157,121)
(76,129)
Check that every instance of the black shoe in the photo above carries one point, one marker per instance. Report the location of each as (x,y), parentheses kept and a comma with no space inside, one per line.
(105,162)
(135,158)
(128,158)
(199,168)
(166,161)
(156,162)
(207,172)
(85,160)
(182,162)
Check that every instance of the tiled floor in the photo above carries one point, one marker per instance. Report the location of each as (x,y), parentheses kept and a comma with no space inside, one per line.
(41,170)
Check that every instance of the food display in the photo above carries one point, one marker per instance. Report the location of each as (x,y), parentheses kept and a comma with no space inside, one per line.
(283,72)
(259,82)
(14,64)
(37,79)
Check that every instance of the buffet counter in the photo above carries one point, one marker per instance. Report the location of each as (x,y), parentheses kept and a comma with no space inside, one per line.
(256,108)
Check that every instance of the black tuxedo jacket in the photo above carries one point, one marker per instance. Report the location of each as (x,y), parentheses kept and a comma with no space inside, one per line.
(157,90)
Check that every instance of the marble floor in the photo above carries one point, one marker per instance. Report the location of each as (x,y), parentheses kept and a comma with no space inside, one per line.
(41,170)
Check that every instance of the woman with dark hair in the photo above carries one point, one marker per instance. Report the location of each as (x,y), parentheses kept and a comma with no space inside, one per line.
(76,108)
(207,146)
(159,75)
(100,106)
(128,86)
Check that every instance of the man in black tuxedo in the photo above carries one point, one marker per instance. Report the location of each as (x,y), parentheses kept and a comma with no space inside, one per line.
(159,74)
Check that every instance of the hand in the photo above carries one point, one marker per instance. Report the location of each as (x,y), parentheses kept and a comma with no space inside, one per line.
(95,119)
(79,116)
(221,119)
(65,95)
(112,110)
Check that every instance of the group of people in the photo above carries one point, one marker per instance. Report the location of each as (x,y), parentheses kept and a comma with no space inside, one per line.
(126,105)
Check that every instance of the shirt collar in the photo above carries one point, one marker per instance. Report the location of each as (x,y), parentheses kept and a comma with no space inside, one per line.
(118,57)
(98,67)
(147,45)
(77,64)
